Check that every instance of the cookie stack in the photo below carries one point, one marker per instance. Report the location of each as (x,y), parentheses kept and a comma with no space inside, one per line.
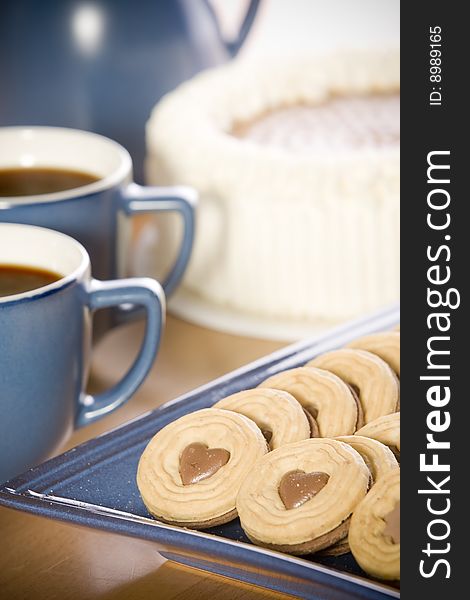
(308,460)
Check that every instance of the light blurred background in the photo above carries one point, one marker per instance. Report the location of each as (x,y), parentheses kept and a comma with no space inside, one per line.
(297,27)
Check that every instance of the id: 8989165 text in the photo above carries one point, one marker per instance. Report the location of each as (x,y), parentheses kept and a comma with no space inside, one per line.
(435,65)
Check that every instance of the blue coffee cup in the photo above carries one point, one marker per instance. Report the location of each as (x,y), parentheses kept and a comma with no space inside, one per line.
(96,214)
(45,345)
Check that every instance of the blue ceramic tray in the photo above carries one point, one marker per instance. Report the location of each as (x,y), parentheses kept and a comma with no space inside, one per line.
(94,485)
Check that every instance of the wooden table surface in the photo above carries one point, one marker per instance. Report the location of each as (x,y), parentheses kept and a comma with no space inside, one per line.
(41,558)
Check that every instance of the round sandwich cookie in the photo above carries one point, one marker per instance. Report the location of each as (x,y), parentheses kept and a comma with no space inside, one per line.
(331,403)
(385,344)
(338,549)
(374,534)
(386,430)
(373,380)
(280,417)
(377,456)
(379,459)
(300,497)
(190,472)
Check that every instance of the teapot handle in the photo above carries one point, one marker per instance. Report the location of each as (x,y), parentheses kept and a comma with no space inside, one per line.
(234,46)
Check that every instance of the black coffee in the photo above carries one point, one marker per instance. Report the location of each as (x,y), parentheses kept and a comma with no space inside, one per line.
(29,181)
(15,279)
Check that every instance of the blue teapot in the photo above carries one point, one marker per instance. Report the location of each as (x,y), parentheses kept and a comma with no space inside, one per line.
(101,65)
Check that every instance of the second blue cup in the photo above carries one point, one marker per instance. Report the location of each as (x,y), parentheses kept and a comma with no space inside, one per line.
(45,343)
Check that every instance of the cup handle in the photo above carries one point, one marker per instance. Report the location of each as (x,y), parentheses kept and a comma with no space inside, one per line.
(143,292)
(147,199)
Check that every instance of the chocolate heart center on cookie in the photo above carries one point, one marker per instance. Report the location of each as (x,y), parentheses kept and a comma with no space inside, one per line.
(268,434)
(356,394)
(198,462)
(311,415)
(392,524)
(296,487)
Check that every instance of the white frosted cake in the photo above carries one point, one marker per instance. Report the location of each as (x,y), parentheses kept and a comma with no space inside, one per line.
(297,166)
